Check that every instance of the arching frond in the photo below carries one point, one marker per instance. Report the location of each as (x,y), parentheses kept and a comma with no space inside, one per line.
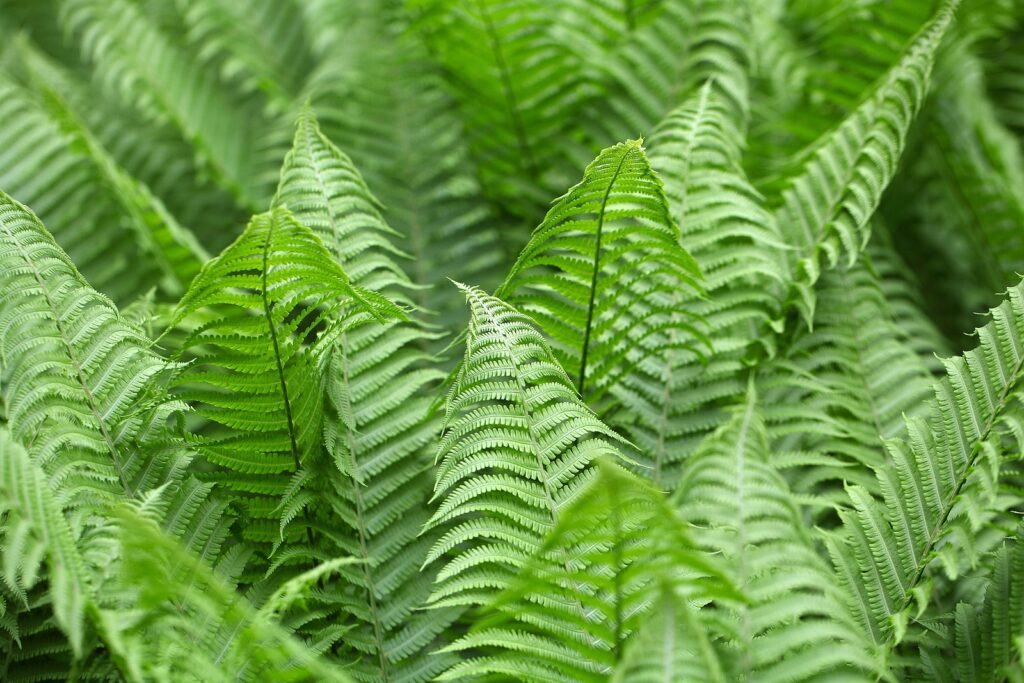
(887,547)
(569,614)
(191,626)
(404,133)
(665,58)
(118,233)
(84,390)
(378,421)
(80,385)
(969,175)
(518,446)
(604,274)
(826,204)
(795,627)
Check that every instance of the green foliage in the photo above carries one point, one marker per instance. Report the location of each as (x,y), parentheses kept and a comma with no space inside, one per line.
(707,416)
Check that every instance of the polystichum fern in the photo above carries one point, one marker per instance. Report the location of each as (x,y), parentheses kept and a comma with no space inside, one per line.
(510,340)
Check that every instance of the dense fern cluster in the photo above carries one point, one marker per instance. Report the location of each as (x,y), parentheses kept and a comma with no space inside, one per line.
(512,340)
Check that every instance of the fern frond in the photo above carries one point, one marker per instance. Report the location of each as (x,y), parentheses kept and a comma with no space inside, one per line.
(887,547)
(171,247)
(378,421)
(569,614)
(796,627)
(261,43)
(847,385)
(518,87)
(429,188)
(113,227)
(604,272)
(191,626)
(255,377)
(683,44)
(969,176)
(35,530)
(81,385)
(149,69)
(696,151)
(518,446)
(989,638)
(826,204)
(672,645)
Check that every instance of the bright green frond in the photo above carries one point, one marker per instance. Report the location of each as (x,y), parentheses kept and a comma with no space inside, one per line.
(588,588)
(604,274)
(518,446)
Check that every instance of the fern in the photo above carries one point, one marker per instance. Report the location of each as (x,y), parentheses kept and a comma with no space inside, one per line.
(826,205)
(691,435)
(377,423)
(796,627)
(570,612)
(518,446)
(604,271)
(888,545)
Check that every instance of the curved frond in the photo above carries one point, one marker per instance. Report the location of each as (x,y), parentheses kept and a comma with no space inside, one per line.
(518,87)
(604,274)
(887,547)
(518,446)
(826,204)
(795,627)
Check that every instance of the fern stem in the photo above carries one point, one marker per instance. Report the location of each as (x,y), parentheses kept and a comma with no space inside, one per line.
(597,264)
(936,532)
(268,308)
